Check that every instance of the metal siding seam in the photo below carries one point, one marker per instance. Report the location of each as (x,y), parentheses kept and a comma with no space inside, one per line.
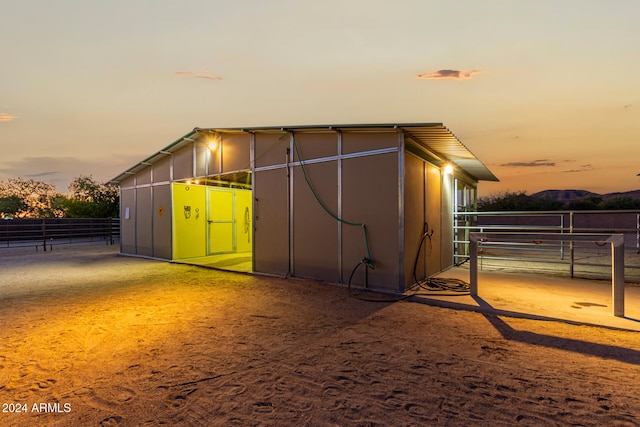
(220,156)
(401,186)
(153,247)
(340,278)
(252,166)
(290,205)
(121,217)
(329,159)
(194,160)
(135,213)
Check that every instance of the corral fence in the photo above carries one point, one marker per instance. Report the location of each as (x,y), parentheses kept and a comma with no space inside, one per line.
(580,258)
(45,233)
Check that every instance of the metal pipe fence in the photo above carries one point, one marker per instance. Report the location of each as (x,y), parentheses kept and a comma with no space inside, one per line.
(45,233)
(577,256)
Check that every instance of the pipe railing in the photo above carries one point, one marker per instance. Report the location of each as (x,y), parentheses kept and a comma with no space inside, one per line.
(625,222)
(48,232)
(615,241)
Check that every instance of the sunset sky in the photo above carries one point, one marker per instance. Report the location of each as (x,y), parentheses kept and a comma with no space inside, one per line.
(546,93)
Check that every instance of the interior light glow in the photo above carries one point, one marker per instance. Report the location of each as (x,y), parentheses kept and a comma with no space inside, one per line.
(448,169)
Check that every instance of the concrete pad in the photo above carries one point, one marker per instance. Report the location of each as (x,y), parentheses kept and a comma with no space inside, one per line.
(544,297)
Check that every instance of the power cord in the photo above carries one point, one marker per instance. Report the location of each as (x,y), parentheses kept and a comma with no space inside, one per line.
(432,285)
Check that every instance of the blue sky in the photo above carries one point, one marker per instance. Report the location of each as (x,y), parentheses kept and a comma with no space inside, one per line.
(545,93)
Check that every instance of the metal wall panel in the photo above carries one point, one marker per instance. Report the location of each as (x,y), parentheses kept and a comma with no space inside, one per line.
(161,214)
(127,220)
(370,196)
(189,221)
(244,220)
(144,176)
(414,219)
(162,170)
(213,161)
(446,242)
(143,228)
(271,149)
(433,218)
(353,142)
(316,145)
(202,156)
(271,214)
(183,163)
(315,233)
(235,152)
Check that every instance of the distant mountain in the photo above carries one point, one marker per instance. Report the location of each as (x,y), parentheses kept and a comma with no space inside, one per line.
(570,195)
(564,195)
(633,194)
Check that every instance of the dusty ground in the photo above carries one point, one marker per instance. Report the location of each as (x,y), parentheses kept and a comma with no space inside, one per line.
(104,340)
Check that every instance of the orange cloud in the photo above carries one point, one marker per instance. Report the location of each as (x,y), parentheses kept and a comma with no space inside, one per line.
(202,75)
(449,74)
(534,163)
(6,117)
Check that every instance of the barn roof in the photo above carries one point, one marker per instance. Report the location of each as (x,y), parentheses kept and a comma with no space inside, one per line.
(432,139)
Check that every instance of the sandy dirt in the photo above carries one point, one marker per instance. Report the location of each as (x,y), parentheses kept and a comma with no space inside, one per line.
(90,338)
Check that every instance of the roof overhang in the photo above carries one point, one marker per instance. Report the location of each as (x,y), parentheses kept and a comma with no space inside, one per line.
(440,143)
(431,140)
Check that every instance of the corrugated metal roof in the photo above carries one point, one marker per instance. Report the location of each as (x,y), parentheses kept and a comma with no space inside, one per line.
(440,141)
(432,138)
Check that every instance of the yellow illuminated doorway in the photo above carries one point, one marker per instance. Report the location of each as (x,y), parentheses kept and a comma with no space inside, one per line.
(229,220)
(221,221)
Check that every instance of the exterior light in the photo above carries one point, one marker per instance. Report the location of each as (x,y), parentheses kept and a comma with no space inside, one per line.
(448,169)
(212,145)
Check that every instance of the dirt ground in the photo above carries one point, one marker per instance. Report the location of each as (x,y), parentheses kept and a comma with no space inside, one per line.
(90,338)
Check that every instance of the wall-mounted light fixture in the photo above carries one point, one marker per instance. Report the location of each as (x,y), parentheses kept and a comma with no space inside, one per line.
(448,169)
(213,141)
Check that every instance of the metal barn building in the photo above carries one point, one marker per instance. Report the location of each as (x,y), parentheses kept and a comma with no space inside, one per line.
(305,201)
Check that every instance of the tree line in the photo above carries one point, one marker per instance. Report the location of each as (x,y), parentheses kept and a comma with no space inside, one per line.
(520,201)
(87,198)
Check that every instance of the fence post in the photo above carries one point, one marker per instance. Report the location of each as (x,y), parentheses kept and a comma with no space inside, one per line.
(473,267)
(571,242)
(617,274)
(562,232)
(638,233)
(44,234)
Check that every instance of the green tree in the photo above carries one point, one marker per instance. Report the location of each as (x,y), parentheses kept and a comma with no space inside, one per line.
(620,202)
(36,198)
(584,203)
(516,201)
(10,206)
(92,199)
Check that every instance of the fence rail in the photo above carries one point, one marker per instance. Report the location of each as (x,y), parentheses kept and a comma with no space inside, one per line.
(586,256)
(45,233)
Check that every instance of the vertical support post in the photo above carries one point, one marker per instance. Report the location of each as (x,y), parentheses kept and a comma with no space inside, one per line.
(473,267)
(288,159)
(44,234)
(571,249)
(617,274)
(638,233)
(339,224)
(402,286)
(562,232)
(254,201)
